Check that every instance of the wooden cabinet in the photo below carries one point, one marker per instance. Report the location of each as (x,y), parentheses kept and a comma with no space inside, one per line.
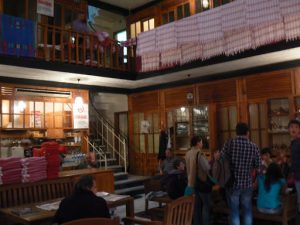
(279,116)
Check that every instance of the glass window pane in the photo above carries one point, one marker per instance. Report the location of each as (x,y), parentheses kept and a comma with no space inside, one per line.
(216,3)
(138,27)
(254,116)
(142,143)
(49,115)
(151,24)
(223,119)
(6,123)
(146,25)
(150,143)
(255,137)
(187,10)
(165,18)
(136,123)
(171,16)
(136,142)
(132,30)
(156,143)
(232,117)
(39,115)
(179,12)
(263,116)
(155,123)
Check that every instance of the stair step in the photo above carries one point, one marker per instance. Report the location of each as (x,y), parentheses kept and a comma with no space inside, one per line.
(116,168)
(120,176)
(131,191)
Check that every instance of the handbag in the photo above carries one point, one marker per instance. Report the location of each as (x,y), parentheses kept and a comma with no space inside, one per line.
(203,186)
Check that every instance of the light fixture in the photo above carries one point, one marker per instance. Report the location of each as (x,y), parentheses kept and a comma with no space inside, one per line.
(78,102)
(182,109)
(205,4)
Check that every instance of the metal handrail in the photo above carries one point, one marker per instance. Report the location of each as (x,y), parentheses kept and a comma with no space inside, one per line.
(98,150)
(104,127)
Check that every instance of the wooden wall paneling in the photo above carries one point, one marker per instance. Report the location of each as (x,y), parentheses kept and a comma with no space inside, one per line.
(219,91)
(149,12)
(242,105)
(131,153)
(192,7)
(271,85)
(177,97)
(296,81)
(148,101)
(1,6)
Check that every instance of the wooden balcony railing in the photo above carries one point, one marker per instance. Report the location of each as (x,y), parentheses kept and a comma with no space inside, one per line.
(66,46)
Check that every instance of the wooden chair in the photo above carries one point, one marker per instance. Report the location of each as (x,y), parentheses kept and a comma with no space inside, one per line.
(94,221)
(154,185)
(177,212)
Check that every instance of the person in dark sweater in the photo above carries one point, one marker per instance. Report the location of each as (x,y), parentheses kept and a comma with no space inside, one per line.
(175,182)
(83,203)
(294,130)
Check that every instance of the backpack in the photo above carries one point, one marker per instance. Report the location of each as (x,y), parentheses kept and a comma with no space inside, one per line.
(221,171)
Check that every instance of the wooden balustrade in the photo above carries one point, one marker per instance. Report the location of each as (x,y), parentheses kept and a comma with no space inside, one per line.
(66,46)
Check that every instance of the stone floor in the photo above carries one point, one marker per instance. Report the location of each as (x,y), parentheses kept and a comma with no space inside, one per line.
(139,206)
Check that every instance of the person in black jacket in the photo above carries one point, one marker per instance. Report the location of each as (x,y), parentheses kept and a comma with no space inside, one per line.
(83,203)
(294,130)
(175,182)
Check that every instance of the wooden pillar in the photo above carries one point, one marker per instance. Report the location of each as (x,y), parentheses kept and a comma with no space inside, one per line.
(130,136)
(212,126)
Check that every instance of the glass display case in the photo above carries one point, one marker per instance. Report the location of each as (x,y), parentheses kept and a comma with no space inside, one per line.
(185,122)
(200,124)
(279,116)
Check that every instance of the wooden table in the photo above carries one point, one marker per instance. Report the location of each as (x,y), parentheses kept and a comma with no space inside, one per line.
(40,216)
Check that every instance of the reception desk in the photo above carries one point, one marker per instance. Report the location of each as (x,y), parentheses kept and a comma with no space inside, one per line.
(104,178)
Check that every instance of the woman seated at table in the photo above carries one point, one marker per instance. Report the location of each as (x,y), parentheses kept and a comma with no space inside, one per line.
(83,203)
(270,186)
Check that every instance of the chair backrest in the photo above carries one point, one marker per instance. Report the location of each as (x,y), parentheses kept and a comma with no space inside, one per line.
(152,185)
(179,211)
(27,193)
(94,221)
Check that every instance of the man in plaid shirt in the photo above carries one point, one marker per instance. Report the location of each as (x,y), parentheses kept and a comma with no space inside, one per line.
(244,157)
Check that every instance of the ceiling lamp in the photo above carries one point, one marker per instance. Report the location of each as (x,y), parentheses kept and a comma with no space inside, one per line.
(78,103)
(205,4)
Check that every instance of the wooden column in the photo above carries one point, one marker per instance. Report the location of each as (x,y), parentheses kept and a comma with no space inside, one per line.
(130,135)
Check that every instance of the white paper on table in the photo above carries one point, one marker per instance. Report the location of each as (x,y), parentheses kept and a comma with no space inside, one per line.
(49,206)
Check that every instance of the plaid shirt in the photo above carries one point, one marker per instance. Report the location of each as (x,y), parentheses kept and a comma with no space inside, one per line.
(244,156)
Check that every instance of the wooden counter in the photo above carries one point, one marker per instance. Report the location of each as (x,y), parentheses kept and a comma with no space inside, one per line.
(104,178)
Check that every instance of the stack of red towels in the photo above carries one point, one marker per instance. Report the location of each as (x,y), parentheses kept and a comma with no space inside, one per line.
(10,170)
(53,159)
(34,169)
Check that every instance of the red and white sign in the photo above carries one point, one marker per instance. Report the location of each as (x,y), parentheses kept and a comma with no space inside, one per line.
(45,7)
(81,116)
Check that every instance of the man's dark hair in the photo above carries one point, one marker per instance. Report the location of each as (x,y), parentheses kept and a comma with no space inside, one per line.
(84,183)
(265,151)
(294,121)
(176,163)
(195,140)
(241,129)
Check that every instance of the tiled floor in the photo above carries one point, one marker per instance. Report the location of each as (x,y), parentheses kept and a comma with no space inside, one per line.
(139,206)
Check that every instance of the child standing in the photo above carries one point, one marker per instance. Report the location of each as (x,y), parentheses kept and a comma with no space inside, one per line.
(294,130)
